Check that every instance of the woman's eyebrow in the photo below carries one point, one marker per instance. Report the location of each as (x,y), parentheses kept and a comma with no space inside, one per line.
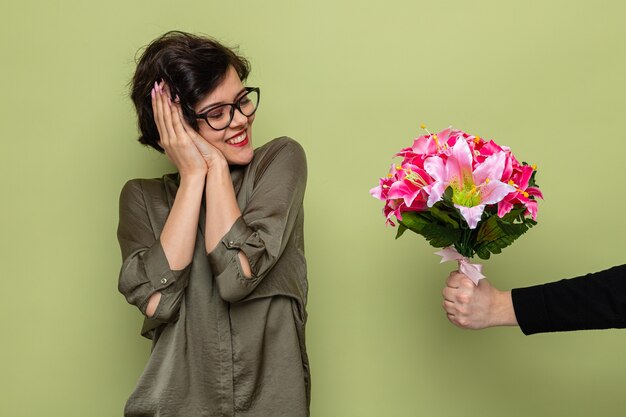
(219,103)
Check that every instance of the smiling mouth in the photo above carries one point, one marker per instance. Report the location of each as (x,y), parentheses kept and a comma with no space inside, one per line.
(239,140)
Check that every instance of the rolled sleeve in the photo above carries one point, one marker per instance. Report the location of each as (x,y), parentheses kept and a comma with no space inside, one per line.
(224,260)
(266,224)
(157,268)
(145,269)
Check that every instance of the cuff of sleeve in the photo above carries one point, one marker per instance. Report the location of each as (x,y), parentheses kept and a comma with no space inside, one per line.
(228,247)
(530,309)
(158,269)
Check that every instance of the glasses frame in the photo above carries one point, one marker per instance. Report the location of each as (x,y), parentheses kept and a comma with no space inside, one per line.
(233,106)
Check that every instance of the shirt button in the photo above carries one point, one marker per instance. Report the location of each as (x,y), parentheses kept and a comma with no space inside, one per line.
(231,244)
(163,281)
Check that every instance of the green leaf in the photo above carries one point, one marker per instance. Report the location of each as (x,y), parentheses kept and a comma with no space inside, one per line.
(489,230)
(401,230)
(496,234)
(436,234)
(440,212)
(483,253)
(513,214)
(447,196)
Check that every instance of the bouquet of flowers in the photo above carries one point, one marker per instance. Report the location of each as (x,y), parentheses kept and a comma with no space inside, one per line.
(462,193)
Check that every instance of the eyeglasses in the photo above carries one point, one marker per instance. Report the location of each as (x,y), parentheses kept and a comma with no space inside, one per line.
(220,116)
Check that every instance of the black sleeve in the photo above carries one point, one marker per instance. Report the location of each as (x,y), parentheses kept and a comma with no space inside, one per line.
(592,301)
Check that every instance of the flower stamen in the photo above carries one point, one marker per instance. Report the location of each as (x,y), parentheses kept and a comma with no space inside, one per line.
(416,179)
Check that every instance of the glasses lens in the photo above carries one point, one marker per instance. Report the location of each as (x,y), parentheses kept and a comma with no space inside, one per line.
(249,102)
(219,117)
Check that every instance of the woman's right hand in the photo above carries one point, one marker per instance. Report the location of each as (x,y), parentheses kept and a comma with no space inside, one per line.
(175,141)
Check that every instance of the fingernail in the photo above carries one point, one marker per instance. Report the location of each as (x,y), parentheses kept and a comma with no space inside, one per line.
(156,86)
(152,93)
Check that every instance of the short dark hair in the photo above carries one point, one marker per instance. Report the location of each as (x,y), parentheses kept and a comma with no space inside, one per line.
(192,66)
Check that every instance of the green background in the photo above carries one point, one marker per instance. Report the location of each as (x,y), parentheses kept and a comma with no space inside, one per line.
(351,81)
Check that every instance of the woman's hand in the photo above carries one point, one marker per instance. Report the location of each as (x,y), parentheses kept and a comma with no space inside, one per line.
(471,306)
(191,154)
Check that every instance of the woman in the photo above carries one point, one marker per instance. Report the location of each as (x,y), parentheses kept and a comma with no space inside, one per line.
(213,255)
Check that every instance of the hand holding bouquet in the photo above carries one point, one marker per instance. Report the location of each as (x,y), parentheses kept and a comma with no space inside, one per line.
(462,193)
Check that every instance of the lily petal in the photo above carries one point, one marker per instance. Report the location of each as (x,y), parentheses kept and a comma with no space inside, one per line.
(492,168)
(459,164)
(435,191)
(531,208)
(494,192)
(504,207)
(436,168)
(377,192)
(424,145)
(472,215)
(404,190)
(535,191)
(490,148)
(526,173)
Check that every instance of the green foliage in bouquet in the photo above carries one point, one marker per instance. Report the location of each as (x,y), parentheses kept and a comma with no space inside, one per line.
(443,225)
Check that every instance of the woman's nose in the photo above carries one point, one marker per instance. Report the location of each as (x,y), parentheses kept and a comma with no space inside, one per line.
(238,118)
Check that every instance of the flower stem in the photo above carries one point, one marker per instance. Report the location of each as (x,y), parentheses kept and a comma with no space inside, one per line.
(464,246)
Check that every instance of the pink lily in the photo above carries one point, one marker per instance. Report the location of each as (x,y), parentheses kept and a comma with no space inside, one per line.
(430,145)
(473,188)
(402,190)
(410,188)
(520,178)
(381,192)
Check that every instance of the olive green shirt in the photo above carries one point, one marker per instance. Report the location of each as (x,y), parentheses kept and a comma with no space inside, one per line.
(223,344)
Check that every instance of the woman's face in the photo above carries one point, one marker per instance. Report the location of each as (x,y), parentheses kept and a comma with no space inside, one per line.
(234,142)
